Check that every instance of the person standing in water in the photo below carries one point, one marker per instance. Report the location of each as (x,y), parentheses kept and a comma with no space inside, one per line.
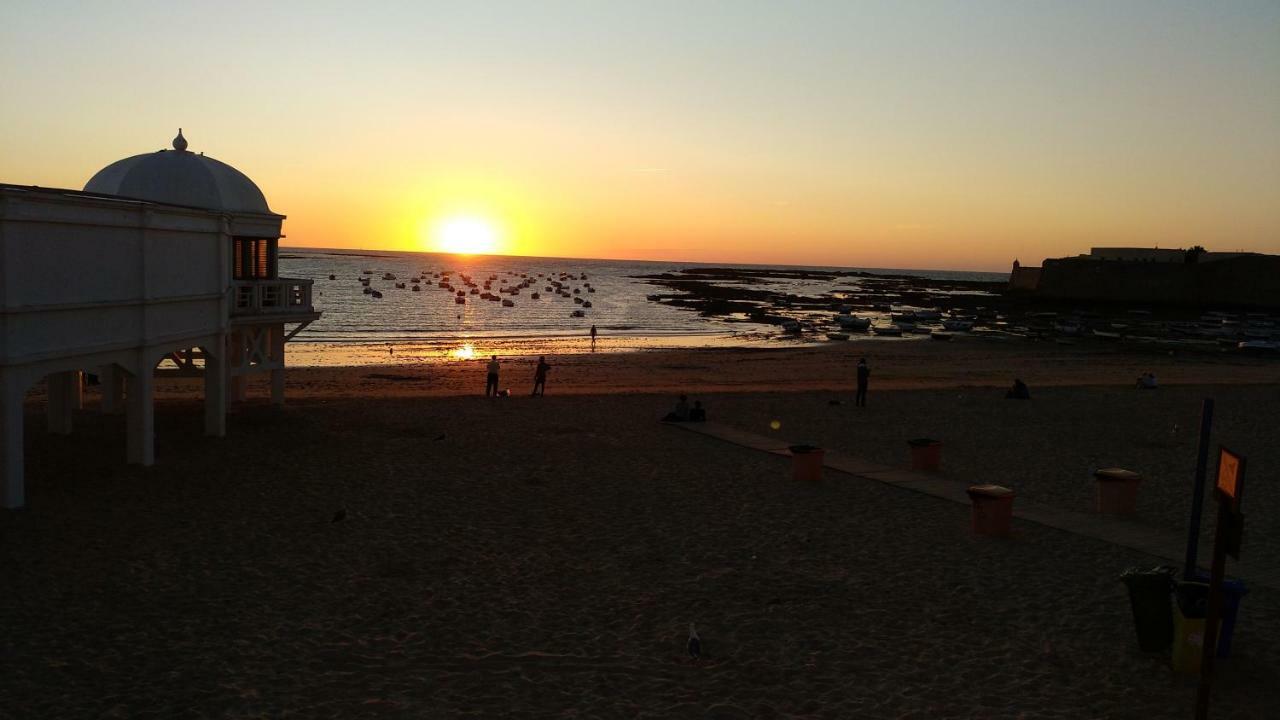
(491,383)
(864,375)
(540,376)
(593,337)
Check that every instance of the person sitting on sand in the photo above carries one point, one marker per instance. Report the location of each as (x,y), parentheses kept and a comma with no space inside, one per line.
(1020,391)
(491,382)
(681,413)
(1147,382)
(540,376)
(698,413)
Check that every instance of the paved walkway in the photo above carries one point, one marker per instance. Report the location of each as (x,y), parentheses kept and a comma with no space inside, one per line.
(1162,544)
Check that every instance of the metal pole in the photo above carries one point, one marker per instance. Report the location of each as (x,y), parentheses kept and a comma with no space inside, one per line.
(1197,499)
(1210,648)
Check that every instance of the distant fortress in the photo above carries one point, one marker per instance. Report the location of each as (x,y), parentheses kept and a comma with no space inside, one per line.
(1193,277)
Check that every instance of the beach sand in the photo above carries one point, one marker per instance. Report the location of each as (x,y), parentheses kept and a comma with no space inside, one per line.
(543,557)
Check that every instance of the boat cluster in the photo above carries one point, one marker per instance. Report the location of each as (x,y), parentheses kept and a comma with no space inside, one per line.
(461,285)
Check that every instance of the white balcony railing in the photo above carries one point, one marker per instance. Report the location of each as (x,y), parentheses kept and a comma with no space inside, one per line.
(262,297)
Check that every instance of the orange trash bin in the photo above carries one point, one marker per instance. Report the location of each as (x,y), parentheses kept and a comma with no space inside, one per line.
(1117,491)
(926,454)
(806,462)
(992,509)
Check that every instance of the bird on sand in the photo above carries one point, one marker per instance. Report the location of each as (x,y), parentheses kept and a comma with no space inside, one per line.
(340,515)
(695,643)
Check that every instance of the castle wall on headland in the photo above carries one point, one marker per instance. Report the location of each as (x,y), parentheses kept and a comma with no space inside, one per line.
(1243,281)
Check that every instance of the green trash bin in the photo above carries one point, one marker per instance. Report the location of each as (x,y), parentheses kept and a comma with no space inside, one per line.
(1151,598)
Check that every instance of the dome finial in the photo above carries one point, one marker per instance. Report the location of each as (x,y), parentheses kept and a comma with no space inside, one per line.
(180,143)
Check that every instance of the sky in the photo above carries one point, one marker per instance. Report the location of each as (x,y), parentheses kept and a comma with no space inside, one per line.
(876,134)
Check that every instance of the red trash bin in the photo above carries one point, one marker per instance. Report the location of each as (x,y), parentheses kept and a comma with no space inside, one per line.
(926,454)
(1117,491)
(806,462)
(992,509)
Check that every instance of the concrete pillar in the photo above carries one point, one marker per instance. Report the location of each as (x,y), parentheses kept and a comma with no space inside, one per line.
(277,359)
(235,361)
(63,389)
(76,387)
(215,391)
(112,389)
(11,480)
(140,416)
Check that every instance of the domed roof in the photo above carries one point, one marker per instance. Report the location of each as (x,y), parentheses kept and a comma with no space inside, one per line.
(178,177)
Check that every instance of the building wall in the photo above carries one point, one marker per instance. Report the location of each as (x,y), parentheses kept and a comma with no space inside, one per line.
(1245,281)
(1024,278)
(81,274)
(1124,254)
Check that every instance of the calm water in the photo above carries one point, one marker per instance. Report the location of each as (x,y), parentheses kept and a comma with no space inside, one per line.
(421,325)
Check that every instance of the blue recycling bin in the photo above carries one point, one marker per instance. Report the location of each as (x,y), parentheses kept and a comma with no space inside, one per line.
(1232,591)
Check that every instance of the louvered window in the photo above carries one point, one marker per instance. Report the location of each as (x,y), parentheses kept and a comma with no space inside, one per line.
(254,258)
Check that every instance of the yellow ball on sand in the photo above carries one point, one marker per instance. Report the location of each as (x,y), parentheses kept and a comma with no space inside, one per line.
(775,424)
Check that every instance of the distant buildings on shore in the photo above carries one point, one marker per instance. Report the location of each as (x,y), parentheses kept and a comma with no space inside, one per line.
(1188,277)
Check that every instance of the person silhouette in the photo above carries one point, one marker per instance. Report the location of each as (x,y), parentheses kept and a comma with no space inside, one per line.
(593,337)
(864,375)
(540,376)
(491,382)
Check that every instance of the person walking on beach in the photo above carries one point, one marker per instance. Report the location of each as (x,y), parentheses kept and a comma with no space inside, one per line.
(864,374)
(491,383)
(593,337)
(540,376)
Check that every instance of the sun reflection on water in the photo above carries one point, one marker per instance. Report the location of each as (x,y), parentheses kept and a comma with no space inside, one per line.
(466,352)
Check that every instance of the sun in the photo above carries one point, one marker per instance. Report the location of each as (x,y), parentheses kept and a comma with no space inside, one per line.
(466,235)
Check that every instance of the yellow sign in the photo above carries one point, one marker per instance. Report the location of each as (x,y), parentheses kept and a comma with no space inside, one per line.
(1229,474)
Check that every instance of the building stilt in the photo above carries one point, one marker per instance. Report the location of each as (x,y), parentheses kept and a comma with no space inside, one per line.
(11,480)
(140,416)
(277,360)
(215,391)
(112,378)
(63,399)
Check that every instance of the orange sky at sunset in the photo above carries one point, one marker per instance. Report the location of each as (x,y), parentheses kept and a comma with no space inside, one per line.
(939,135)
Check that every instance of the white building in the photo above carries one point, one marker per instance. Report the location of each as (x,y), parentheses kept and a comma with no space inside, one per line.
(169,255)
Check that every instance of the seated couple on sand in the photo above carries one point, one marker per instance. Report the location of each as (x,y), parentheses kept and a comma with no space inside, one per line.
(684,413)
(1019,391)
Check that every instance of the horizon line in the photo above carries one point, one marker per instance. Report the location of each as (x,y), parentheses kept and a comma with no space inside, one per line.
(624,259)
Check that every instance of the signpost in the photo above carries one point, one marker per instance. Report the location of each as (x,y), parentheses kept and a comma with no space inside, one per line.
(1228,489)
(1197,497)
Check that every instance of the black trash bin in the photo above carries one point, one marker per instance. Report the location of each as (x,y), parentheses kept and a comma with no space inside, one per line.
(1151,597)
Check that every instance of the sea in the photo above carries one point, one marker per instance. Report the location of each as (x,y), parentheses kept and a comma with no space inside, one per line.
(404,326)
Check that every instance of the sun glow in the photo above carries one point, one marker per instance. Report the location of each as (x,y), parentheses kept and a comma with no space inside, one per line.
(466,352)
(466,235)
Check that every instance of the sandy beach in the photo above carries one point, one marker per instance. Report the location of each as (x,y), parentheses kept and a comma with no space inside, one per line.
(543,557)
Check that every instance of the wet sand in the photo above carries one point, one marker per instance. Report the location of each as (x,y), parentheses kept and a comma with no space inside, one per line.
(543,557)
